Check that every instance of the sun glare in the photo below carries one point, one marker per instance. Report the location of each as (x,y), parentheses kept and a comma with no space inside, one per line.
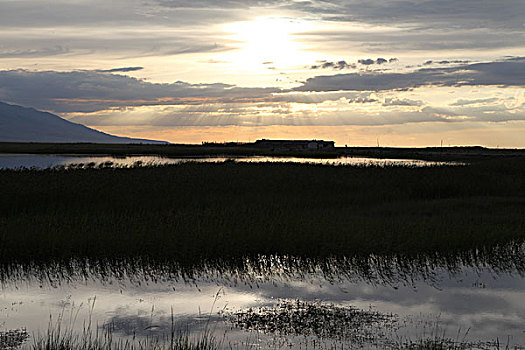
(267,41)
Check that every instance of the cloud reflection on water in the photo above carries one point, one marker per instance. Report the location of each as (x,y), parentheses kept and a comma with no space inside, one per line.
(472,292)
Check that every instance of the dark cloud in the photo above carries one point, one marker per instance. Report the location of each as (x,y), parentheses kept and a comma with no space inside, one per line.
(380,60)
(498,73)
(339,65)
(444,14)
(89,91)
(429,62)
(454,61)
(123,69)
(367,61)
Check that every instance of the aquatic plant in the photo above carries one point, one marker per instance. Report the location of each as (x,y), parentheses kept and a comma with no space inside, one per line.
(316,319)
(13,338)
(62,335)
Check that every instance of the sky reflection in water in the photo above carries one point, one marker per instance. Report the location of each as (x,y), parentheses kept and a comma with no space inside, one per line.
(14,161)
(472,301)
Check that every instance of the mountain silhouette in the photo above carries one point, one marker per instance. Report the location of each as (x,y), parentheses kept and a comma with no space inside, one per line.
(21,124)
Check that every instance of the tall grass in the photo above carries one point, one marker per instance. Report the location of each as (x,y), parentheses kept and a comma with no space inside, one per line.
(93,339)
(192,212)
(63,335)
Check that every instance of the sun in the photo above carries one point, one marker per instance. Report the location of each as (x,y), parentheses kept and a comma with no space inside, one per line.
(267,40)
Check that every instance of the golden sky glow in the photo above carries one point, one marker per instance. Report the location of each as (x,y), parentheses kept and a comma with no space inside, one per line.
(193,71)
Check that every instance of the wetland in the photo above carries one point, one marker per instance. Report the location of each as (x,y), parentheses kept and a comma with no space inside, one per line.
(233,254)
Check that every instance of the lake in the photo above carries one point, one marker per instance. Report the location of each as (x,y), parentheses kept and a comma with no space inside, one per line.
(39,161)
(474,300)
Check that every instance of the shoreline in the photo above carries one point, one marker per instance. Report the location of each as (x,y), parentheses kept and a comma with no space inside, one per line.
(459,153)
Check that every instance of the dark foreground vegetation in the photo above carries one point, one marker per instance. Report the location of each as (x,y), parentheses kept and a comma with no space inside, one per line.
(192,212)
(166,150)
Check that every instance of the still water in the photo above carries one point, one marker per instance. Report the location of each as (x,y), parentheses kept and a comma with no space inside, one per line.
(14,161)
(477,303)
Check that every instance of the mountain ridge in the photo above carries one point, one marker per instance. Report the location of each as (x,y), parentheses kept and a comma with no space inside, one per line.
(26,124)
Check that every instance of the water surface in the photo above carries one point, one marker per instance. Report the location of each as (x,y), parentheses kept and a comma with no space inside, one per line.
(472,299)
(39,161)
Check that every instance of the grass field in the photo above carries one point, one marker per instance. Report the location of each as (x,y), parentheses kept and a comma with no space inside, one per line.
(192,212)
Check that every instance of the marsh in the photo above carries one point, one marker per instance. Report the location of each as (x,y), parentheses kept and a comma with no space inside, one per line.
(439,248)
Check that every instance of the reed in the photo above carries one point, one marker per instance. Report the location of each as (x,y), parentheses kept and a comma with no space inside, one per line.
(62,335)
(193,212)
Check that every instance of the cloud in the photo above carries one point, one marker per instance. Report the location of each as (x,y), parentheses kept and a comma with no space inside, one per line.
(126,42)
(498,73)
(367,61)
(33,28)
(42,52)
(123,69)
(363,100)
(220,4)
(444,14)
(339,65)
(476,101)
(454,61)
(380,60)
(316,97)
(398,40)
(391,101)
(105,98)
(429,62)
(89,91)
(101,13)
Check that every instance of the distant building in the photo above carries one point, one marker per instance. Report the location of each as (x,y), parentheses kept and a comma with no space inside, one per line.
(294,144)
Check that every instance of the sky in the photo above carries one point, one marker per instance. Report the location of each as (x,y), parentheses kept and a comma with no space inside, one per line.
(361,73)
